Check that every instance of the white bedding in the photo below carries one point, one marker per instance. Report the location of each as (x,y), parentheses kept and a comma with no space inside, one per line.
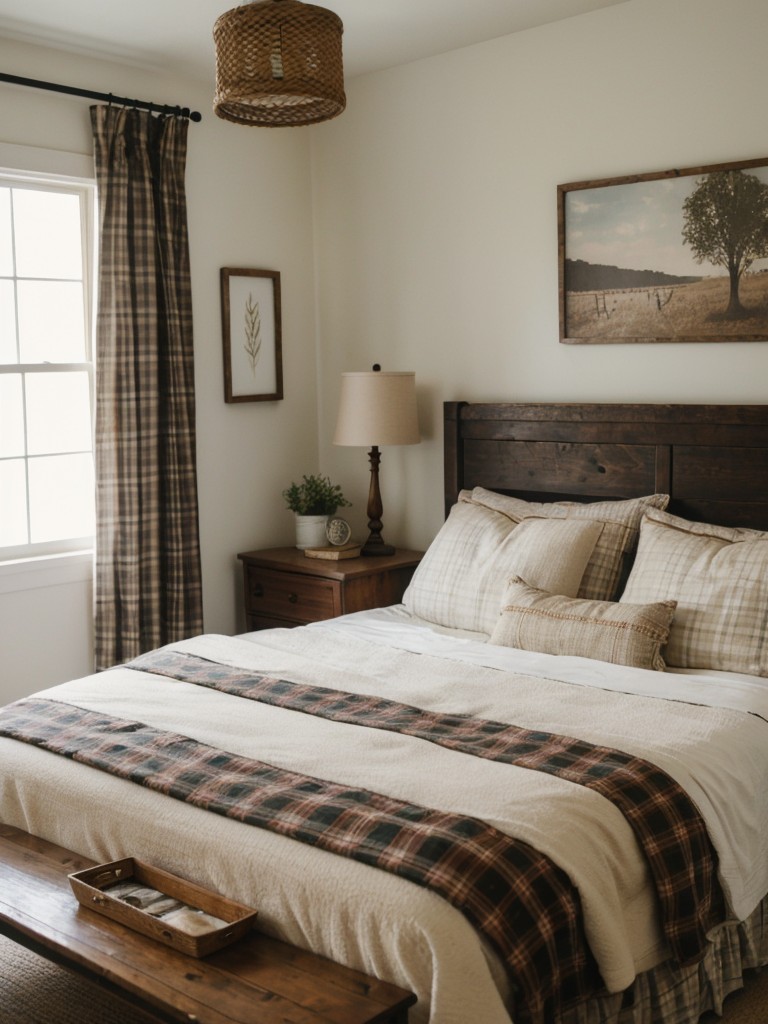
(706,733)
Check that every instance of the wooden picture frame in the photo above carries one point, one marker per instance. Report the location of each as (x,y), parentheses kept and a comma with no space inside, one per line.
(675,256)
(252,335)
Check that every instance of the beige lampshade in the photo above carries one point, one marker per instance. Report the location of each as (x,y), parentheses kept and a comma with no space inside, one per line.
(377,407)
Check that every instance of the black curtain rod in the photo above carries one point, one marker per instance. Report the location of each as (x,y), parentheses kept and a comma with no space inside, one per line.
(106,97)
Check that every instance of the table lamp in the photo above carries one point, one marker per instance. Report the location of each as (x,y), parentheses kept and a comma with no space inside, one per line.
(377,408)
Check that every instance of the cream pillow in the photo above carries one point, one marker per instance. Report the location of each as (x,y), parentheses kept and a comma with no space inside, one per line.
(624,634)
(610,558)
(460,581)
(719,578)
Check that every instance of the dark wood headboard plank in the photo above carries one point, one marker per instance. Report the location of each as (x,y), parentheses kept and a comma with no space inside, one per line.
(623,431)
(754,415)
(453,452)
(545,466)
(663,480)
(722,473)
(711,459)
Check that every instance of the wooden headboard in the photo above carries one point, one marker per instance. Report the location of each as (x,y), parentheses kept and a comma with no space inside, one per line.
(711,459)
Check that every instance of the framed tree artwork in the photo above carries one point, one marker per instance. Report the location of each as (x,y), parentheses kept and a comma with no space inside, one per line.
(676,256)
(251,330)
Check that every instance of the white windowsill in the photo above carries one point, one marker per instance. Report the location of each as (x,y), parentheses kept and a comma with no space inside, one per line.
(46,571)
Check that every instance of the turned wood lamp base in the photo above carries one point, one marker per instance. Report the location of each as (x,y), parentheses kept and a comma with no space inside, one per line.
(375,544)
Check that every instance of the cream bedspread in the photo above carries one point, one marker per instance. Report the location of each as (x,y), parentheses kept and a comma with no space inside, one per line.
(362,916)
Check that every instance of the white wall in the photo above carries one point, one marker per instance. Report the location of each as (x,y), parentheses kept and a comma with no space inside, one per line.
(249,201)
(435,209)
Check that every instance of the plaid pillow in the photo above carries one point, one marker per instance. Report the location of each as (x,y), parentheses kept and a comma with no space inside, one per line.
(460,581)
(719,578)
(624,634)
(614,547)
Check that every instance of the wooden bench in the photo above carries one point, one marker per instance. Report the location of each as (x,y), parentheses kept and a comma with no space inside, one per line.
(257,980)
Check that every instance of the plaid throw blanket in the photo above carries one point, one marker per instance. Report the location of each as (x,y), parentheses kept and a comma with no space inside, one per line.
(665,821)
(524,905)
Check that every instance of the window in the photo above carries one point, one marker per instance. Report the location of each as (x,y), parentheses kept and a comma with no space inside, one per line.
(46,369)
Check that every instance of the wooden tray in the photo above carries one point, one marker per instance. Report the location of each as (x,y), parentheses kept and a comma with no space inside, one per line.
(91,887)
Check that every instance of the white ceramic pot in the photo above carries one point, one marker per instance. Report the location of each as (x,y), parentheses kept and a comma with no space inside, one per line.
(310,532)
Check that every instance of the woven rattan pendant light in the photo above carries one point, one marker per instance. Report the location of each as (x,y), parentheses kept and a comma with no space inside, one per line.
(278,62)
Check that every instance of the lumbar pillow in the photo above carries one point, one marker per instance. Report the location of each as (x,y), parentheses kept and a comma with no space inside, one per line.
(460,581)
(624,634)
(719,577)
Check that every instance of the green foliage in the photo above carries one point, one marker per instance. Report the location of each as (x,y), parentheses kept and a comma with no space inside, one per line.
(725,222)
(252,344)
(314,496)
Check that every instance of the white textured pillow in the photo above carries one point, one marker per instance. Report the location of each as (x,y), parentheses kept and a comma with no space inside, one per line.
(719,578)
(461,579)
(617,541)
(623,634)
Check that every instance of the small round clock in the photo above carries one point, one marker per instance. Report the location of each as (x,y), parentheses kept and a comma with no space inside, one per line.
(338,531)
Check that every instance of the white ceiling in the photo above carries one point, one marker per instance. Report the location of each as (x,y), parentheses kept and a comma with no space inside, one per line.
(175,35)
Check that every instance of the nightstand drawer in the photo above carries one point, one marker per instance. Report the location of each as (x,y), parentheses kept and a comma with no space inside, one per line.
(290,596)
(283,587)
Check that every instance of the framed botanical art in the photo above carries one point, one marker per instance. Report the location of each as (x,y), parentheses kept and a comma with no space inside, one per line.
(251,330)
(676,256)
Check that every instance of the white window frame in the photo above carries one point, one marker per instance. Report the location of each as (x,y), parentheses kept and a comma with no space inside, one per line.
(41,166)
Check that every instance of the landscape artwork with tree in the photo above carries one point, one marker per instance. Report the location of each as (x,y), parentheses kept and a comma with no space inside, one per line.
(671,257)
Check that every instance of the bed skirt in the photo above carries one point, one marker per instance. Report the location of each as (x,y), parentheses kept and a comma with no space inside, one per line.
(666,995)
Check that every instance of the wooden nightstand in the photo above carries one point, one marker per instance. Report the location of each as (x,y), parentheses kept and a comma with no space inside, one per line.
(283,587)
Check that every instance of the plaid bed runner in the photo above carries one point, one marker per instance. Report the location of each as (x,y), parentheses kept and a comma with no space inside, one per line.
(665,821)
(524,905)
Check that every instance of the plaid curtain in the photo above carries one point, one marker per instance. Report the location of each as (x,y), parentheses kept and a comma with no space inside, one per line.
(148,588)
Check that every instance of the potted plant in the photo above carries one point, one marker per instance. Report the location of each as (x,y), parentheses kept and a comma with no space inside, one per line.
(313,501)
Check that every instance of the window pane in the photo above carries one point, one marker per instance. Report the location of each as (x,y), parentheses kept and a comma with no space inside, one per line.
(47,228)
(46,461)
(8,352)
(6,241)
(11,416)
(51,322)
(13,504)
(61,497)
(58,413)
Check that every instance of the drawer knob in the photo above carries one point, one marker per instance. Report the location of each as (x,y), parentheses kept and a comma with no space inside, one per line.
(257,590)
(293,598)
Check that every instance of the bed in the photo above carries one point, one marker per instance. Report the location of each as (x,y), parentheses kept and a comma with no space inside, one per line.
(536,791)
